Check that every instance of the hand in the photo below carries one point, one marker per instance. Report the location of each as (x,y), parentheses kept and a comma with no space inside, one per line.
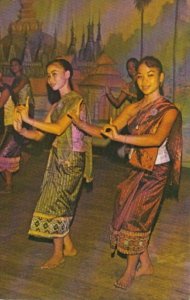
(17,122)
(23,110)
(110,131)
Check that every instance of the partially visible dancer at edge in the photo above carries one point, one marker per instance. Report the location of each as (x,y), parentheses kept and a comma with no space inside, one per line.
(9,160)
(155,133)
(130,90)
(69,162)
(13,144)
(21,87)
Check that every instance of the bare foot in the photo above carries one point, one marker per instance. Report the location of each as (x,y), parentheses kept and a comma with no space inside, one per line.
(70,252)
(125,281)
(53,262)
(144,270)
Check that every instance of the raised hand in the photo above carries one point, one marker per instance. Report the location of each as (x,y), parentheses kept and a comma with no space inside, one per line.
(23,110)
(17,122)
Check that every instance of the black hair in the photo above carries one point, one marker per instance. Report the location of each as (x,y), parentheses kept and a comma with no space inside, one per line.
(134,61)
(66,66)
(151,61)
(17,60)
(53,96)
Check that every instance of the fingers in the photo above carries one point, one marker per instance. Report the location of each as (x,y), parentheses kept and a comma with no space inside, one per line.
(27,102)
(17,123)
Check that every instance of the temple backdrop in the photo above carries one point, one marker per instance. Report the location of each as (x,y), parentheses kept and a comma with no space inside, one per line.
(98,36)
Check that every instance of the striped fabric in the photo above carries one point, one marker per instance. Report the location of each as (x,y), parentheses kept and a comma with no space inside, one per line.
(59,192)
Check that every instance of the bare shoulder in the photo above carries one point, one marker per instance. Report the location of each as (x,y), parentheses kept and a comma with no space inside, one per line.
(170,115)
(132,108)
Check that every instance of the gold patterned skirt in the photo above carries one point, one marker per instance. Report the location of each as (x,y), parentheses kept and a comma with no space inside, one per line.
(59,194)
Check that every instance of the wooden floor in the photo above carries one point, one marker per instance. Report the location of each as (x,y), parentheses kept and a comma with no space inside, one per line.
(91,274)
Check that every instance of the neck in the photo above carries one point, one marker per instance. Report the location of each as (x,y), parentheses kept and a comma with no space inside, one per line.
(152,97)
(64,90)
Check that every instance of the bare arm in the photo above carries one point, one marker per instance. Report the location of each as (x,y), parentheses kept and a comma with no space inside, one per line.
(146,140)
(117,102)
(32,134)
(84,126)
(55,128)
(124,94)
(127,113)
(4,97)
(19,86)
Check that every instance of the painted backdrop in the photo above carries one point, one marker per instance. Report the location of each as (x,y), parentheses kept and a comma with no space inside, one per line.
(98,36)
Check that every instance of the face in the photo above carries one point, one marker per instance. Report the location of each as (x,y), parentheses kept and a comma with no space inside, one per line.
(15,67)
(57,77)
(149,79)
(131,69)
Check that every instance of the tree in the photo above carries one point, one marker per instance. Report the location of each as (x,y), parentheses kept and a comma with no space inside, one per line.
(140,5)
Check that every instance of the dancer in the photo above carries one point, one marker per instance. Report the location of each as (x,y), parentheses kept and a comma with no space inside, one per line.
(69,162)
(129,93)
(21,86)
(9,158)
(155,128)
(130,90)
(12,143)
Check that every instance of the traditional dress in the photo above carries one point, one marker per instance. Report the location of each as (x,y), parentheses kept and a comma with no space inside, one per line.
(12,142)
(9,146)
(152,168)
(20,97)
(69,161)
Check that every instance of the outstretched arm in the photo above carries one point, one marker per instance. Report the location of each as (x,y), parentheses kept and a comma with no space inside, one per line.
(125,93)
(117,102)
(32,134)
(145,140)
(55,128)
(84,126)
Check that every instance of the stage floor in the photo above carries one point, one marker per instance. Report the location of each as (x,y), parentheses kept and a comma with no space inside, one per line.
(91,274)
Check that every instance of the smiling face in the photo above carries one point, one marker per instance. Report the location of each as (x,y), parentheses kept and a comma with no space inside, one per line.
(149,79)
(57,77)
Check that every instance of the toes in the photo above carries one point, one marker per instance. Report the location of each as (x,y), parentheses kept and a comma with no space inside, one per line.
(51,265)
(120,286)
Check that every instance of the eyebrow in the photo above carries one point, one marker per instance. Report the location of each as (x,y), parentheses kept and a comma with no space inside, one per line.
(147,72)
(52,71)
